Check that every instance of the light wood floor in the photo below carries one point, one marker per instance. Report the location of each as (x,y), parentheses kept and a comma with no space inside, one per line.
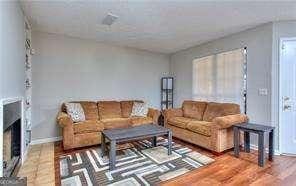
(226,170)
(39,165)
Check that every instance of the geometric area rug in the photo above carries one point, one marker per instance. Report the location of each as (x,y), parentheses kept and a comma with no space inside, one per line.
(140,164)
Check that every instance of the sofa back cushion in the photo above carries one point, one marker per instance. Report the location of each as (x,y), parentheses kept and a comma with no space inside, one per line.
(109,109)
(126,108)
(90,109)
(214,110)
(194,109)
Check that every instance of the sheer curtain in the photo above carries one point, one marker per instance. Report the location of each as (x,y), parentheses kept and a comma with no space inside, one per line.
(221,77)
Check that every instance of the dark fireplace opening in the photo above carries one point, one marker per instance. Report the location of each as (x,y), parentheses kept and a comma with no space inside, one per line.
(11,138)
(12,148)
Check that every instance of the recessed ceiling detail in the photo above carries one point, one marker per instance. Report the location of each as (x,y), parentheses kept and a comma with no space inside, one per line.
(159,26)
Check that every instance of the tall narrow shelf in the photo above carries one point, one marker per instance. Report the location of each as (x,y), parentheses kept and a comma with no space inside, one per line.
(167,92)
(28,83)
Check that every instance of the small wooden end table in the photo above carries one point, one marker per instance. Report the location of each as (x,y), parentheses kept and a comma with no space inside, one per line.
(130,134)
(257,129)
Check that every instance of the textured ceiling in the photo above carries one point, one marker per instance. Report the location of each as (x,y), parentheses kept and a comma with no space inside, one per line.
(160,26)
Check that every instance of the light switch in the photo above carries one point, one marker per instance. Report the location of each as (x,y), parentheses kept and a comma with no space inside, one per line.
(263,92)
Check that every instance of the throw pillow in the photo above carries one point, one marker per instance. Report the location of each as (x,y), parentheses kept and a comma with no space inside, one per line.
(75,111)
(139,109)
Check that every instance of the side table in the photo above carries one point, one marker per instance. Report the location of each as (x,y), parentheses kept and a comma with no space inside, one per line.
(257,129)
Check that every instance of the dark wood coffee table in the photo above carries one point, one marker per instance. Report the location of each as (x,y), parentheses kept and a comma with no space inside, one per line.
(130,134)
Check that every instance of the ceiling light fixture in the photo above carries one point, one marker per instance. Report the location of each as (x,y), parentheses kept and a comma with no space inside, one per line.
(109,19)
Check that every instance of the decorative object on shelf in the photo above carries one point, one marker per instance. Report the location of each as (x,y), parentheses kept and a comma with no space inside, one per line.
(28,83)
(28,103)
(167,88)
(28,43)
(28,137)
(28,66)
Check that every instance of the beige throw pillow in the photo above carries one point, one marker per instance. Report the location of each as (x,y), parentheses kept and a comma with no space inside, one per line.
(75,111)
(139,109)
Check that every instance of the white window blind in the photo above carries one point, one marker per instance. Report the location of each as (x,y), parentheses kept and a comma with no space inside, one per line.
(221,77)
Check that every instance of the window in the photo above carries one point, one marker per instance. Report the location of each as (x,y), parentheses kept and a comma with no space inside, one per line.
(221,78)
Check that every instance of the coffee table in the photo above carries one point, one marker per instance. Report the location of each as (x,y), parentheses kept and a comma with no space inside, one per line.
(130,134)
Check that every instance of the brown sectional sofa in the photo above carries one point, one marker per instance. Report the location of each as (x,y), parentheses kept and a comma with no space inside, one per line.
(99,116)
(206,124)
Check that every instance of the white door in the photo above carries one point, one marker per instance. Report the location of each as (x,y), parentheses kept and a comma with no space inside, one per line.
(288,96)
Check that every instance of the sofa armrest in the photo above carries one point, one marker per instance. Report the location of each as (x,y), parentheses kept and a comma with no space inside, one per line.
(230,120)
(176,112)
(170,113)
(154,114)
(64,119)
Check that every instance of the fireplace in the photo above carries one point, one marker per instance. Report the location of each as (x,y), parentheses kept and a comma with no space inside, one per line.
(11,137)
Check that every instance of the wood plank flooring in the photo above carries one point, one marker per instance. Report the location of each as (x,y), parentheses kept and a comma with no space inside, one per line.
(226,170)
(39,165)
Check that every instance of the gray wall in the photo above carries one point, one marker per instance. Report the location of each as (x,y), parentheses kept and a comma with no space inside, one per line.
(66,68)
(12,57)
(259,63)
(12,50)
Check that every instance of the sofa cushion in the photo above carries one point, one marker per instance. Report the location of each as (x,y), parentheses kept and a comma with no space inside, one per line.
(88,126)
(109,109)
(180,122)
(90,109)
(194,109)
(214,110)
(200,127)
(111,123)
(126,108)
(140,109)
(75,111)
(135,121)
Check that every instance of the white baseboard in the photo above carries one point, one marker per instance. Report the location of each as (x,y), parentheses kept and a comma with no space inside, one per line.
(255,147)
(46,140)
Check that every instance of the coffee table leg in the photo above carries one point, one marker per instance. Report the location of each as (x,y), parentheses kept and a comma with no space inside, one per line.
(112,155)
(103,145)
(154,141)
(169,143)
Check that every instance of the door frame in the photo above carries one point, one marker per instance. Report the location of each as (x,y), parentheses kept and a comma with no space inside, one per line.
(282,40)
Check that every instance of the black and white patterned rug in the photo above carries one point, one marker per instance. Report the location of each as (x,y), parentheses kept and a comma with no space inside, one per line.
(138,165)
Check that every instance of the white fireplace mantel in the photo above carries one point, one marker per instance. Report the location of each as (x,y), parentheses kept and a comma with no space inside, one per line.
(23,145)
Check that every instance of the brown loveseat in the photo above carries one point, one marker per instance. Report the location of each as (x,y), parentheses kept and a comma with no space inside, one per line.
(206,124)
(99,116)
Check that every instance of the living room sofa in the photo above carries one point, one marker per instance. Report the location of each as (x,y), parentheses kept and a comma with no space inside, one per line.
(206,124)
(99,116)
